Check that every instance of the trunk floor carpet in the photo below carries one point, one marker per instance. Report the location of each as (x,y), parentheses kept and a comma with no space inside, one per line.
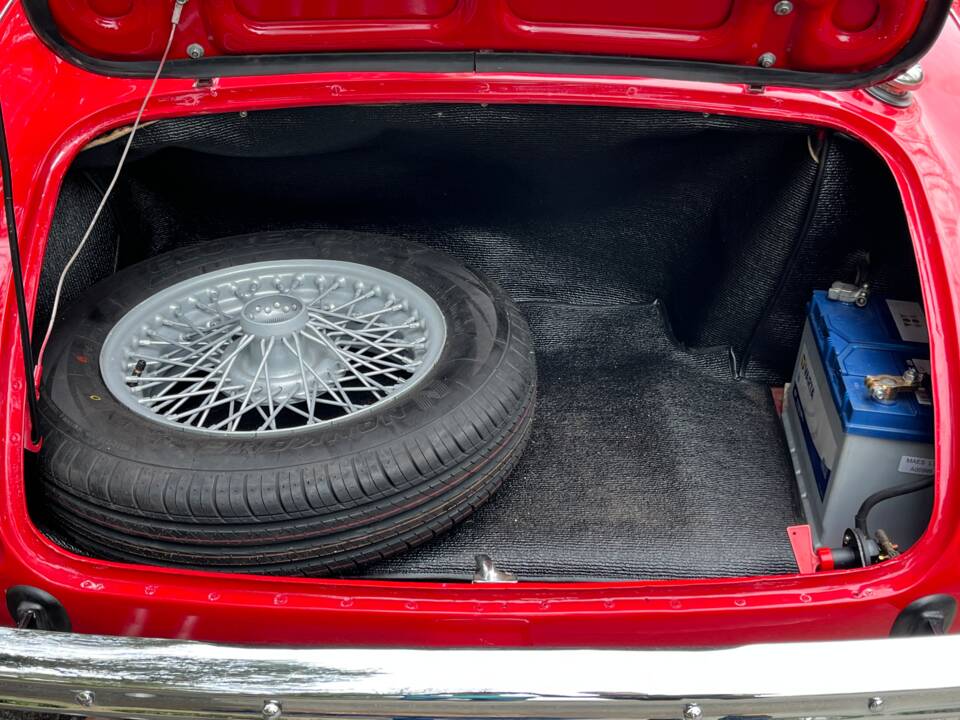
(646,461)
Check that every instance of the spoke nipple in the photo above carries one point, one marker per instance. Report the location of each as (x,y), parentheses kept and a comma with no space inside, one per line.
(214,294)
(254,284)
(359,287)
(341,281)
(319,281)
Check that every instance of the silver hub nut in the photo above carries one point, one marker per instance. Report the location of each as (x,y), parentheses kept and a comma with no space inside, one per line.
(274,316)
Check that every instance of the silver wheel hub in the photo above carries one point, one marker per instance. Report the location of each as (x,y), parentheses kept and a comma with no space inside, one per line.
(274,315)
(273,347)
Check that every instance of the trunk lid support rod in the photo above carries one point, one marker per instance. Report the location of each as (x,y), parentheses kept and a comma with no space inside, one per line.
(22,318)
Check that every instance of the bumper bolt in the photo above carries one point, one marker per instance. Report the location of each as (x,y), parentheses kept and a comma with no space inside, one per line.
(784,7)
(85,698)
(875,704)
(271,710)
(692,711)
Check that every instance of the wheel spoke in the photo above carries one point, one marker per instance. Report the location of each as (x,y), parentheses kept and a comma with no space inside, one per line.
(372,384)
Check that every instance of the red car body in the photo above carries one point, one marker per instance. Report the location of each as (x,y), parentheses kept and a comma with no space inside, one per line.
(54,107)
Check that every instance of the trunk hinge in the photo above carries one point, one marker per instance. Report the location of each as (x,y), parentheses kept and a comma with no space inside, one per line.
(12,238)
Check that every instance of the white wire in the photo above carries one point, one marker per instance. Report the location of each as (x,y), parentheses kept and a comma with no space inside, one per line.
(113,181)
(810,149)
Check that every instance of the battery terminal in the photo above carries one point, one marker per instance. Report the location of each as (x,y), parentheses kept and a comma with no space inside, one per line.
(844,292)
(886,388)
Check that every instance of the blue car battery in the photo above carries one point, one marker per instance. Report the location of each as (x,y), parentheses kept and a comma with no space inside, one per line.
(846,441)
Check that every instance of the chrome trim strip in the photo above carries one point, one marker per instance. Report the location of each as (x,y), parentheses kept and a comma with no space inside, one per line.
(144,678)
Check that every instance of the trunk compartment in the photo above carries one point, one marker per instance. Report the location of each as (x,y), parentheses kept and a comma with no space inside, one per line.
(663,261)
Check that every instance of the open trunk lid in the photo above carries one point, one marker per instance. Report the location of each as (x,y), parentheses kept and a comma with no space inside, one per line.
(807,43)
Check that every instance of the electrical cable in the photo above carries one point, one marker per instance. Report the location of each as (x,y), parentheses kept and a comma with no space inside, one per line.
(878,497)
(174,22)
(813,203)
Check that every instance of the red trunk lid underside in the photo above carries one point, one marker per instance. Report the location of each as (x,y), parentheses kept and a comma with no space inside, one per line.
(837,36)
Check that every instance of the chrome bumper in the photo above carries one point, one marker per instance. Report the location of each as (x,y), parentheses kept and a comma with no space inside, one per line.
(129,677)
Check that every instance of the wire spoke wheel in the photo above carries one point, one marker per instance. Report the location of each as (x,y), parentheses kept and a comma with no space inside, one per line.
(273,347)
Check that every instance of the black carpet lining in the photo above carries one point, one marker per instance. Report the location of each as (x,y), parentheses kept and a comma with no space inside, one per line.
(647,461)
(559,203)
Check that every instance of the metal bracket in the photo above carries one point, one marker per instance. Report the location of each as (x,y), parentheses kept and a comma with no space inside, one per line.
(885,388)
(487,572)
(843,292)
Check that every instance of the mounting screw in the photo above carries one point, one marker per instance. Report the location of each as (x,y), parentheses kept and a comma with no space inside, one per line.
(85,698)
(271,710)
(692,711)
(875,704)
(195,50)
(784,7)
(766,60)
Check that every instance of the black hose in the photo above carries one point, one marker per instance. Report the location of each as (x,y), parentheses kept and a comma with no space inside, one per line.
(788,266)
(878,497)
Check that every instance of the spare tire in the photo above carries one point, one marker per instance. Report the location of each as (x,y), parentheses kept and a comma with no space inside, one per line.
(282,403)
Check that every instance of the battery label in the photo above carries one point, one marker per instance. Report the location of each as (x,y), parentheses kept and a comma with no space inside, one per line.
(916,465)
(815,423)
(909,319)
